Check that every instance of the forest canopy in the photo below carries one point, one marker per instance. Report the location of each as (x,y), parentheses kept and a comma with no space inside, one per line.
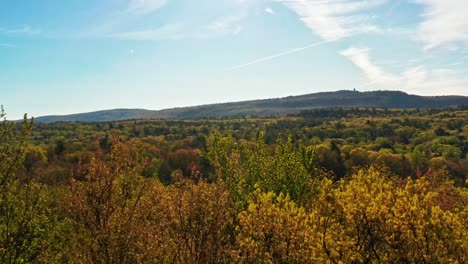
(355,185)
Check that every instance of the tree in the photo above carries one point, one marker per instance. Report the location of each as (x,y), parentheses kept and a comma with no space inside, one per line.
(24,223)
(373,217)
(199,218)
(104,207)
(274,229)
(285,168)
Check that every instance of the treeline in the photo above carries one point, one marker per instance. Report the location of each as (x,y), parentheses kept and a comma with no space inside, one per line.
(101,193)
(404,140)
(351,112)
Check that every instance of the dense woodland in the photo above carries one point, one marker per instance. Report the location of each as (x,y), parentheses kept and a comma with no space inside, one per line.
(343,185)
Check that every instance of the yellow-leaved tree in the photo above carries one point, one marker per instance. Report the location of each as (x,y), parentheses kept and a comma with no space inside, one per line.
(374,218)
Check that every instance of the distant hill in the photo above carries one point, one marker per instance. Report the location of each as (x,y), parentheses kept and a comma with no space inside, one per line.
(268,107)
(100,116)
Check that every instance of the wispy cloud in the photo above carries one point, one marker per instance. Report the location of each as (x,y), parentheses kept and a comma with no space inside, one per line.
(335,19)
(165,32)
(456,63)
(444,22)
(269,11)
(112,24)
(375,74)
(24,30)
(237,30)
(187,27)
(228,24)
(278,55)
(145,6)
(415,79)
(177,31)
(222,25)
(7,45)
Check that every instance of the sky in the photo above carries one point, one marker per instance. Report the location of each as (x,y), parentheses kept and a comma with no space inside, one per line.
(63,57)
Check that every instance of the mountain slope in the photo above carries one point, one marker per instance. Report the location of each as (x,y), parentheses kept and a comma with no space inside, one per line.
(279,106)
(99,116)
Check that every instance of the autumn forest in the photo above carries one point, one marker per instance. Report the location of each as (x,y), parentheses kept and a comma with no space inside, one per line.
(338,185)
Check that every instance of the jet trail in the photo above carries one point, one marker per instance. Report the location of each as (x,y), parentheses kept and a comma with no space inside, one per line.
(279,55)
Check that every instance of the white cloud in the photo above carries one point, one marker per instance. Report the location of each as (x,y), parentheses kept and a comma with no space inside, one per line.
(416,79)
(226,22)
(146,6)
(230,24)
(436,81)
(237,30)
(166,32)
(225,26)
(24,30)
(335,19)
(121,25)
(269,11)
(456,63)
(375,74)
(445,22)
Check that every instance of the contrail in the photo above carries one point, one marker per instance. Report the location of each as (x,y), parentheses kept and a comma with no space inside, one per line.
(279,55)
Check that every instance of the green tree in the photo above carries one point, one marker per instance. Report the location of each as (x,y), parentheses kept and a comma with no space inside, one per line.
(24,222)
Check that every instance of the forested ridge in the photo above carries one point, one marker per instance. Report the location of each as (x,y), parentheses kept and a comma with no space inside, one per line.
(271,107)
(334,185)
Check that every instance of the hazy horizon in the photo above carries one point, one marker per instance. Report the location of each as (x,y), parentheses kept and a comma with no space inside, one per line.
(84,55)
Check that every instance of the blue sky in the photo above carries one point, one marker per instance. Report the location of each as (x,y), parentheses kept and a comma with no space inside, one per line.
(61,57)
